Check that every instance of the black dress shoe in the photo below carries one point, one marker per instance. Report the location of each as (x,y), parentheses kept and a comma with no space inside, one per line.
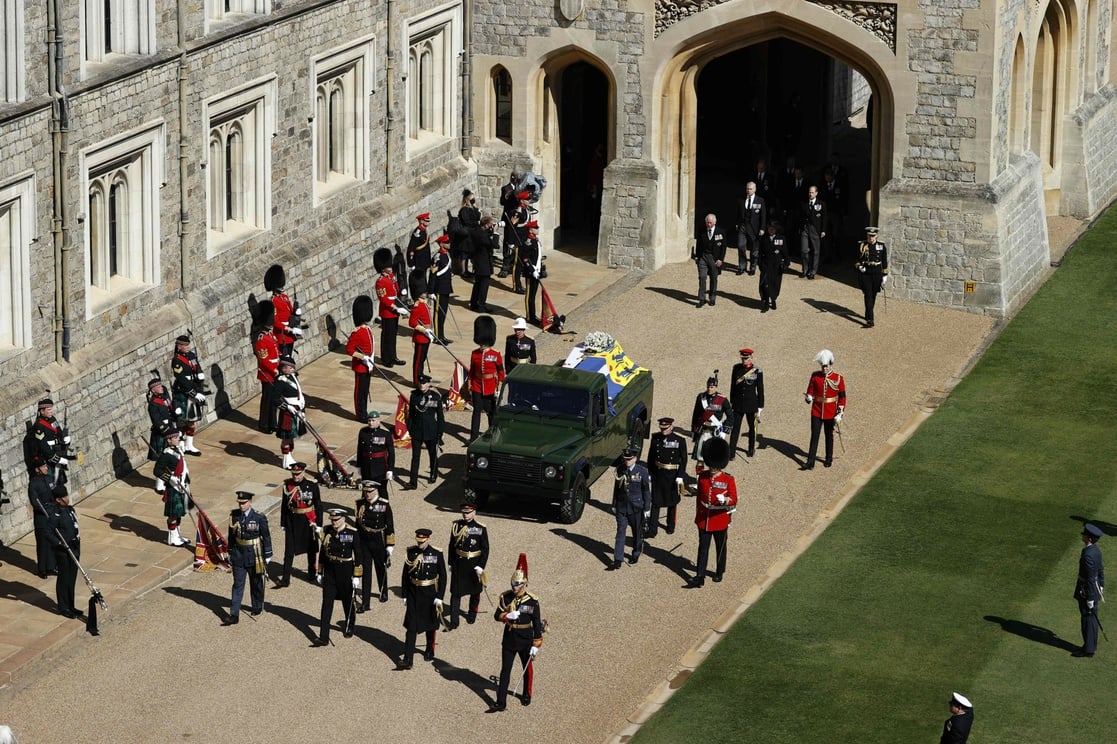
(826,463)
(67,614)
(399,363)
(282,583)
(428,655)
(696,583)
(870,324)
(701,303)
(348,634)
(807,466)
(384,595)
(712,302)
(255,613)
(632,559)
(752,272)
(716,578)
(502,275)
(231,620)
(810,276)
(413,485)
(361,609)
(432,477)
(496,708)
(751,452)
(613,566)
(1081,654)
(763,308)
(471,619)
(773,304)
(319,643)
(670,530)
(519,290)
(525,700)
(404,664)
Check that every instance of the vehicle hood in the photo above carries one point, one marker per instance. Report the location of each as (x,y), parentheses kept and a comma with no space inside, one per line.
(532,439)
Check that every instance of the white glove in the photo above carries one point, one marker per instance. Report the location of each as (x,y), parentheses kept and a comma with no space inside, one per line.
(500,224)
(513,615)
(318,578)
(200,375)
(1089,604)
(66,439)
(296,331)
(679,481)
(390,474)
(403,311)
(299,311)
(721,499)
(759,411)
(861,269)
(199,397)
(479,569)
(809,398)
(390,548)
(356,583)
(369,362)
(533,651)
(535,275)
(647,514)
(438,603)
(838,419)
(884,280)
(63,462)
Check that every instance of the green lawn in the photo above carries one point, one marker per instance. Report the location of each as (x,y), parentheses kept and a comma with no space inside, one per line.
(953,568)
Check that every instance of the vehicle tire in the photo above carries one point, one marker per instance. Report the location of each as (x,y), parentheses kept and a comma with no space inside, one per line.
(636,433)
(571,507)
(477,497)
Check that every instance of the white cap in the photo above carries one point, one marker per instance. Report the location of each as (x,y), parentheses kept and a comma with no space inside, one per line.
(519,325)
(825,357)
(961,699)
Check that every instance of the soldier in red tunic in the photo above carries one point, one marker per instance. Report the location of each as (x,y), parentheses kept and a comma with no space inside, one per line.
(286,315)
(826,395)
(266,347)
(390,307)
(716,502)
(359,348)
(486,372)
(420,321)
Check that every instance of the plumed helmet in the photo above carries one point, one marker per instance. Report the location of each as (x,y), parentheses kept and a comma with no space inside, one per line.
(520,574)
(518,577)
(275,278)
(362,310)
(484,330)
(417,283)
(265,313)
(382,259)
(715,453)
(825,357)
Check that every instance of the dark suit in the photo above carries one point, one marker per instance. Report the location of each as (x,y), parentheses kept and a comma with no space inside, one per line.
(709,249)
(813,219)
(752,222)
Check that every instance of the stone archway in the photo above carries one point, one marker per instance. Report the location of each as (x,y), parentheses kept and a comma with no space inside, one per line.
(676,148)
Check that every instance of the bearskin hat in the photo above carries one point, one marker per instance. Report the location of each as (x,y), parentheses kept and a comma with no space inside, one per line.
(484,330)
(417,284)
(275,278)
(382,259)
(715,453)
(362,310)
(265,313)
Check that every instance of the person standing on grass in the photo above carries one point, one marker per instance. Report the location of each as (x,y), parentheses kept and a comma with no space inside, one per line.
(956,730)
(1088,590)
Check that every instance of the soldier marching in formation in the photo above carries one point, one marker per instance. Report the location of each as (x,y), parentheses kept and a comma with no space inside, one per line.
(249,553)
(376,454)
(519,348)
(378,539)
(468,554)
(423,585)
(520,613)
(667,458)
(172,473)
(746,395)
(339,573)
(189,392)
(712,416)
(300,519)
(872,268)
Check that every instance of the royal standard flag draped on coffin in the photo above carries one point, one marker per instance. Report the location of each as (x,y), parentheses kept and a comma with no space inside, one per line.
(601,353)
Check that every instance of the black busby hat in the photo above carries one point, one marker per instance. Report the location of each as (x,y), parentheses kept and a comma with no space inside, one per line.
(275,278)
(484,330)
(715,453)
(362,310)
(382,259)
(417,283)
(265,313)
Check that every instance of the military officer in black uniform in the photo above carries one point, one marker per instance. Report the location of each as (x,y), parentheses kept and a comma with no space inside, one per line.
(481,241)
(468,555)
(161,412)
(376,453)
(249,553)
(49,440)
(1089,589)
(519,348)
(40,497)
(377,527)
(667,457)
(425,421)
(746,395)
(813,223)
(423,585)
(339,573)
(523,637)
(773,262)
(956,730)
(62,531)
(709,252)
(300,518)
(872,268)
(712,417)
(440,285)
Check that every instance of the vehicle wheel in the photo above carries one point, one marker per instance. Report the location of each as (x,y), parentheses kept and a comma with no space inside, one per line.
(477,497)
(636,433)
(571,507)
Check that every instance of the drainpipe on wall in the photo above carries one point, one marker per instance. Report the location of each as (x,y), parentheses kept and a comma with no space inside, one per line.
(59,127)
(183,85)
(467,87)
(390,91)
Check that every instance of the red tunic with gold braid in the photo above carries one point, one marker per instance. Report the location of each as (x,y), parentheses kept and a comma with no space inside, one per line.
(486,371)
(360,340)
(283,309)
(711,515)
(267,357)
(829,393)
(420,316)
(387,290)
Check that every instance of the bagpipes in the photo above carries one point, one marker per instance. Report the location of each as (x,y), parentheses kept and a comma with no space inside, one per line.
(96,599)
(332,473)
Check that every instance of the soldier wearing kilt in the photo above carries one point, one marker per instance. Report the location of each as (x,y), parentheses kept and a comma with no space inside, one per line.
(171,472)
(189,391)
(50,441)
(290,403)
(300,517)
(423,585)
(161,412)
(469,553)
(667,458)
(249,553)
(340,573)
(378,539)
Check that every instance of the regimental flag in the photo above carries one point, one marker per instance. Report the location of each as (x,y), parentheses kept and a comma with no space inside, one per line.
(211,550)
(551,318)
(403,436)
(613,363)
(457,395)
